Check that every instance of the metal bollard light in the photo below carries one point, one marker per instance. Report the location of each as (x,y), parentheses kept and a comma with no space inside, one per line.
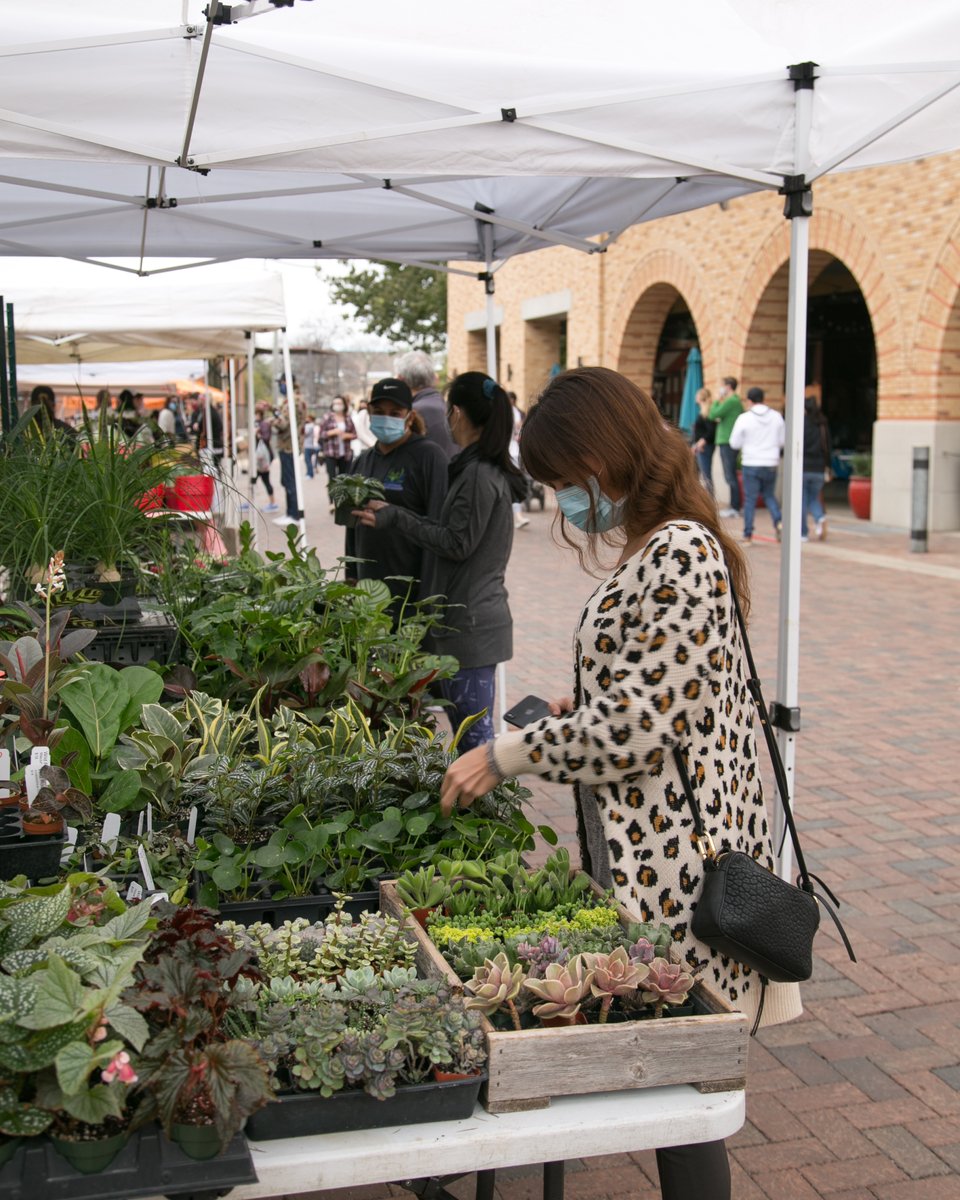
(918,508)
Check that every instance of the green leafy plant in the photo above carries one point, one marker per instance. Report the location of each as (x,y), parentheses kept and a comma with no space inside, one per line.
(862,465)
(354,491)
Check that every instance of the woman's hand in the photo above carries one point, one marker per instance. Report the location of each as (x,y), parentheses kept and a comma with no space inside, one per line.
(467,778)
(368,515)
(563,705)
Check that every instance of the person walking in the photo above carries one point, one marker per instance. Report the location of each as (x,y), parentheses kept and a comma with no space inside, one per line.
(283,432)
(413,471)
(417,372)
(658,663)
(816,462)
(310,444)
(361,423)
(725,411)
(335,437)
(703,438)
(758,434)
(470,541)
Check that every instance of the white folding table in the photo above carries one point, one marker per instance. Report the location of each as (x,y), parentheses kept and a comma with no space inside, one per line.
(572,1127)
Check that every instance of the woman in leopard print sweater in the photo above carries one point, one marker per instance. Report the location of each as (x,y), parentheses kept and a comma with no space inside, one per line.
(658,663)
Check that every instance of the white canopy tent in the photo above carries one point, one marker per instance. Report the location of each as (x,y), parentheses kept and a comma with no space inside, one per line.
(452,134)
(214,313)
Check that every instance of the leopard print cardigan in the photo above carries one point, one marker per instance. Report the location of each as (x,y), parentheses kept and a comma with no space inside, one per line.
(659,661)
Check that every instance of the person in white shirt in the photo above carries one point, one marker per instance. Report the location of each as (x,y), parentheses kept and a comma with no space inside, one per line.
(361,423)
(758,434)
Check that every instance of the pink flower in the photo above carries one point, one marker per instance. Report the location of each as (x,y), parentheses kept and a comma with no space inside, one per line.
(119,1068)
(99,1034)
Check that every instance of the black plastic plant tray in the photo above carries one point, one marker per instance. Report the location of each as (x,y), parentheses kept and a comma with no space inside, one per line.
(35,857)
(303,1114)
(314,908)
(148,1165)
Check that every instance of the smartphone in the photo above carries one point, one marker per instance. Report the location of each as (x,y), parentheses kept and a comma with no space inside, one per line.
(528,710)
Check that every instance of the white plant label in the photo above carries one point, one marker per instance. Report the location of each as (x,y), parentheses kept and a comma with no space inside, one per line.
(134,892)
(145,868)
(110,831)
(156,897)
(192,826)
(149,818)
(140,824)
(40,756)
(31,777)
(4,767)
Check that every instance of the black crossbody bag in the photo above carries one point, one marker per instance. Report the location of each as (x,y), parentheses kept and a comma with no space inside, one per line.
(745,911)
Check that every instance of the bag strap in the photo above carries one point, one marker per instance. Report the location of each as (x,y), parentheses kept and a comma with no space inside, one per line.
(703,839)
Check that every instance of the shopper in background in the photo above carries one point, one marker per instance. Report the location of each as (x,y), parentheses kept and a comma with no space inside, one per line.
(470,542)
(658,663)
(282,430)
(45,418)
(335,437)
(816,465)
(703,438)
(361,423)
(417,371)
(725,412)
(758,434)
(310,444)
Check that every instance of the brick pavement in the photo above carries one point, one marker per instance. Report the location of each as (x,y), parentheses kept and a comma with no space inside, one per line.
(860,1098)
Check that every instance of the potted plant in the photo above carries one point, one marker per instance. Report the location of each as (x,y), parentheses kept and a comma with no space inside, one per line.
(348,492)
(860,486)
(421,891)
(200,1083)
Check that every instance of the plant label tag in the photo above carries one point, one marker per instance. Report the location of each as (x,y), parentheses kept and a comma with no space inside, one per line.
(145,868)
(71,836)
(192,826)
(134,892)
(4,768)
(40,757)
(31,777)
(110,831)
(149,818)
(140,825)
(156,897)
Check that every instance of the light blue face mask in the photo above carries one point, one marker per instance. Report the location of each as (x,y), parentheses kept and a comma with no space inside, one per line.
(388,429)
(574,503)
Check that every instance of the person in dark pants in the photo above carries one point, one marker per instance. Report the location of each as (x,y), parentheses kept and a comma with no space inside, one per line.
(658,666)
(335,436)
(758,436)
(702,441)
(470,542)
(288,477)
(725,412)
(817,452)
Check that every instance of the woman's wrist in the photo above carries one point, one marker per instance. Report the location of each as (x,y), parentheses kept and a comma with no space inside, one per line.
(492,762)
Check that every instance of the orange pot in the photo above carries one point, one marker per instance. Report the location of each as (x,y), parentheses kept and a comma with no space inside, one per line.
(859,493)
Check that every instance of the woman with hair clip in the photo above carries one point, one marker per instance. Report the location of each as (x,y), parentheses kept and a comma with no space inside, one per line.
(659,663)
(470,543)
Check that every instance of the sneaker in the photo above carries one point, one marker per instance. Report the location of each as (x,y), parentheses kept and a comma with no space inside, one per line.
(520,522)
(747,540)
(804,538)
(245,506)
(271,507)
(821,530)
(728,512)
(778,530)
(283,522)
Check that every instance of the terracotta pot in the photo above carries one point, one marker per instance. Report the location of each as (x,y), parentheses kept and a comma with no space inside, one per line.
(561,1022)
(43,828)
(420,915)
(15,799)
(859,493)
(452,1076)
(190,493)
(152,499)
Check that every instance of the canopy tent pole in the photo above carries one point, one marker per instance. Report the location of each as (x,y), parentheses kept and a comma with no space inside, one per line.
(785,713)
(231,498)
(233,409)
(294,436)
(251,438)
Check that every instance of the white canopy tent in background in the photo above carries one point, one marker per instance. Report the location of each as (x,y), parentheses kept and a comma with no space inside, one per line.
(114,320)
(452,134)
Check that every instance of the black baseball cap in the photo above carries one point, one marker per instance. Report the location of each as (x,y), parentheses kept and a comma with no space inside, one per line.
(392,389)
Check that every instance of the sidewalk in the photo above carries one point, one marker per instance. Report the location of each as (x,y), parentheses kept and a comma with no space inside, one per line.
(860,1098)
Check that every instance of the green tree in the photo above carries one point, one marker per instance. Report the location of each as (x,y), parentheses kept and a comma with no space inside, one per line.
(407,305)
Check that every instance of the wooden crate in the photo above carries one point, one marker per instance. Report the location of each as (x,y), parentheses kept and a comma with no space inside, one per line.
(529,1066)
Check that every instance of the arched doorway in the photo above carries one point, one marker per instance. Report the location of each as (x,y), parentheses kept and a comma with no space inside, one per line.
(841,364)
(658,336)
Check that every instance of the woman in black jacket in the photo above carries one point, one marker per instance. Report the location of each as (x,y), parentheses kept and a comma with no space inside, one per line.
(816,460)
(471,544)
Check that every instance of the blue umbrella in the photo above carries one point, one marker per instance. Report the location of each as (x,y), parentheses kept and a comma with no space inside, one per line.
(692,384)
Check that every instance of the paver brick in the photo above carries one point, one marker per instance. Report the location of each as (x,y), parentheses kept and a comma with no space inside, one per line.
(870,1079)
(857,1172)
(942,1188)
(783,1156)
(907,1152)
(837,1134)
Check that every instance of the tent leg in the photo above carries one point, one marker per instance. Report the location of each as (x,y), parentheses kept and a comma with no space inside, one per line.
(788,649)
(489,286)
(231,497)
(294,438)
(251,440)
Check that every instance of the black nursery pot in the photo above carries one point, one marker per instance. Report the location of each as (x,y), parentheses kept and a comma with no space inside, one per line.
(35,857)
(343,515)
(313,908)
(303,1114)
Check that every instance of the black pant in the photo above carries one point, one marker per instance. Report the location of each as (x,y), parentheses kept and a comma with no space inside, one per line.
(336,466)
(697,1172)
(288,481)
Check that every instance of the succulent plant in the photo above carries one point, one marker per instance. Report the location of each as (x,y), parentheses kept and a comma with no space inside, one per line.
(496,985)
(642,951)
(666,983)
(536,957)
(562,989)
(421,889)
(614,974)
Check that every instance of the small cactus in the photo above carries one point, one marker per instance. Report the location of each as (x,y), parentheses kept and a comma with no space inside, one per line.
(562,989)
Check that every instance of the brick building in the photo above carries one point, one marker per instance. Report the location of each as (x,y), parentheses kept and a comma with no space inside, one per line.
(884,315)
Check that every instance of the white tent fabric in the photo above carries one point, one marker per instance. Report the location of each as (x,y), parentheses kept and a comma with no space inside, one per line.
(375,131)
(447,132)
(159,318)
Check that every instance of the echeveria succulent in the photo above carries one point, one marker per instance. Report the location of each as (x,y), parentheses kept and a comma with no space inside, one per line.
(615,974)
(494,985)
(666,983)
(642,951)
(562,988)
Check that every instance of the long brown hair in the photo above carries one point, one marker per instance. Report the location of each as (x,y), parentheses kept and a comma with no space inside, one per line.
(593,413)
